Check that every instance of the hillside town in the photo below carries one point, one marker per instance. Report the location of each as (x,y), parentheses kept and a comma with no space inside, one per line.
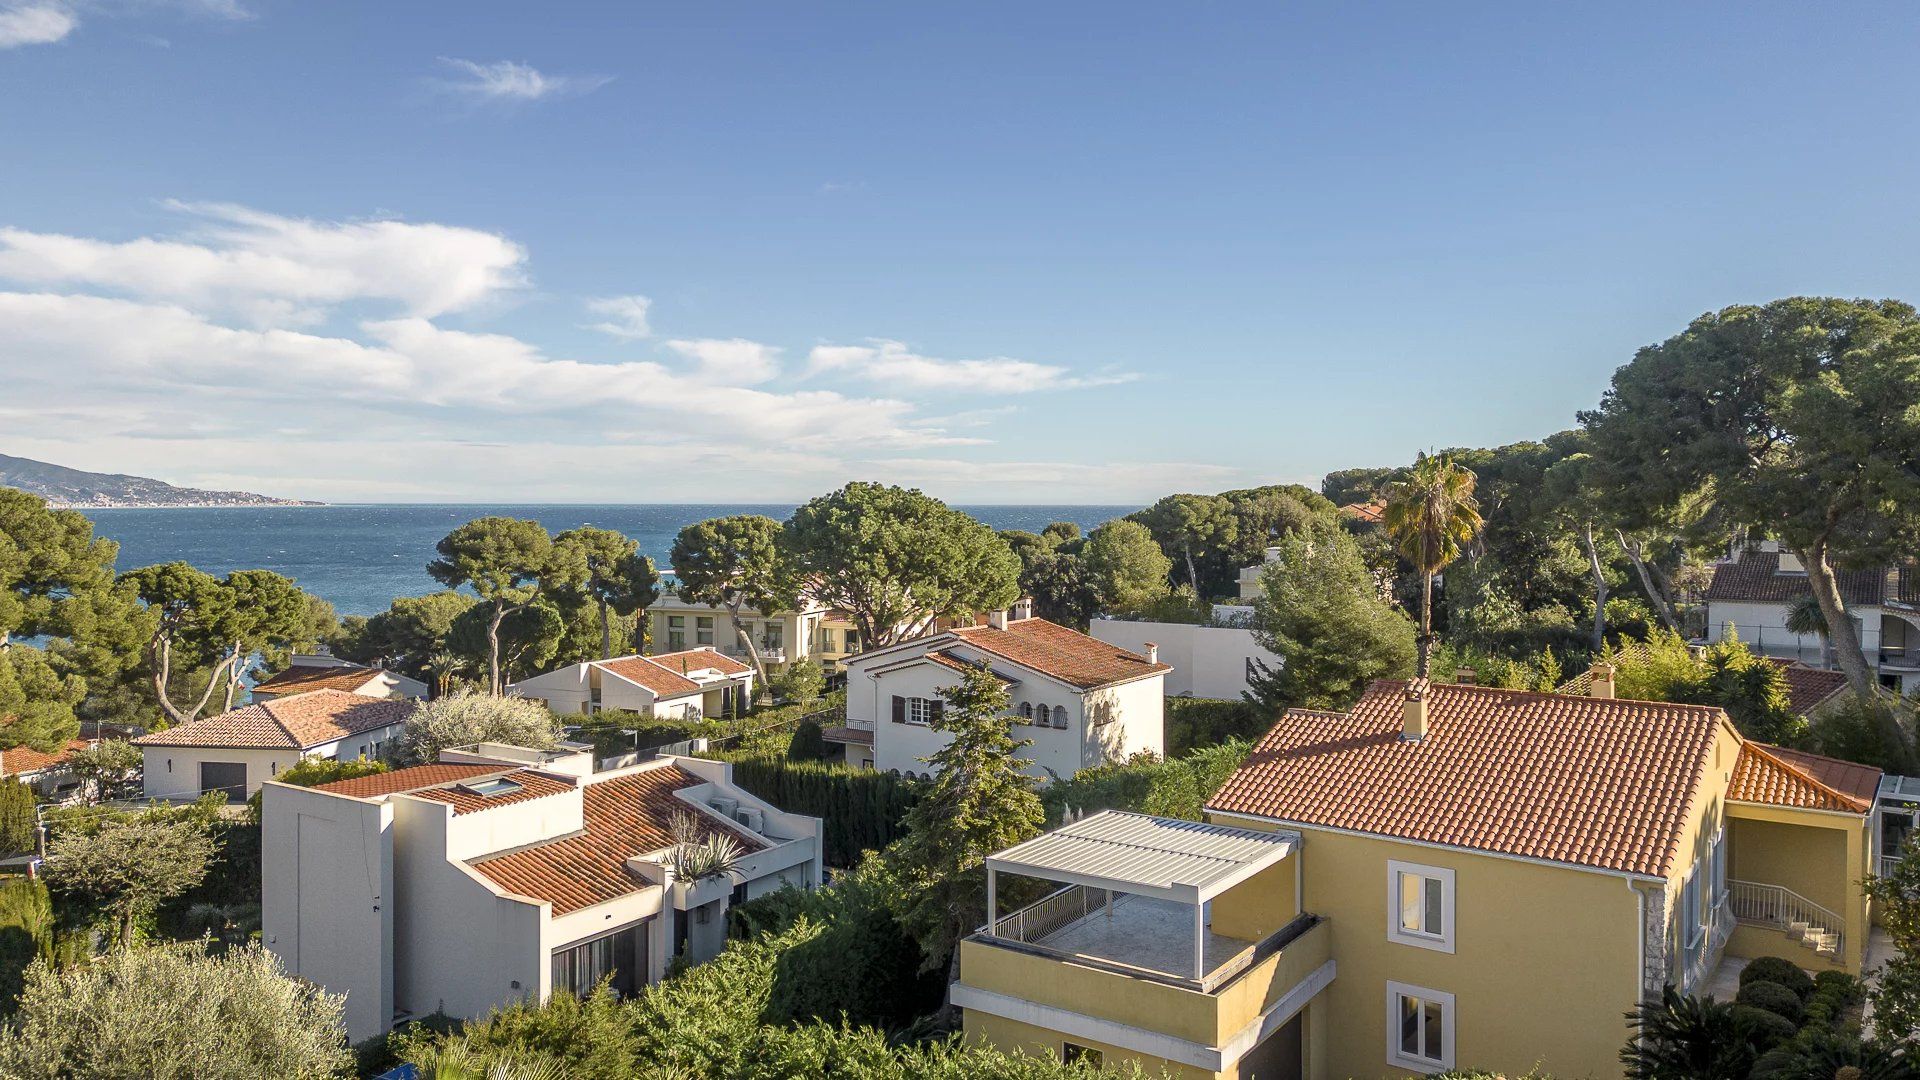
(1592,756)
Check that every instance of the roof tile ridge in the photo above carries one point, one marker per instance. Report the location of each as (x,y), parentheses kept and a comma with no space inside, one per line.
(1765,750)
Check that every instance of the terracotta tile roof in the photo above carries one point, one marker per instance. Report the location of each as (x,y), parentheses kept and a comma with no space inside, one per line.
(21,759)
(947,659)
(1783,777)
(853,735)
(294,722)
(687,660)
(1371,513)
(1051,649)
(1809,687)
(532,785)
(1592,782)
(1756,577)
(296,679)
(666,674)
(412,778)
(625,816)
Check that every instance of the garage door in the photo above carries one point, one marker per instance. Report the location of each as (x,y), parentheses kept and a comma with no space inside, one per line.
(227,776)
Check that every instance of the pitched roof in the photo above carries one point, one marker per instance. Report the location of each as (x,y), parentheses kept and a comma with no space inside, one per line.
(528,785)
(625,816)
(411,778)
(294,722)
(1783,777)
(1756,577)
(1051,649)
(22,759)
(666,674)
(1593,782)
(296,679)
(1371,513)
(947,659)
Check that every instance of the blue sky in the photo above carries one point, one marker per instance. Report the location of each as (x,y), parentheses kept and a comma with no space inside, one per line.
(1021,253)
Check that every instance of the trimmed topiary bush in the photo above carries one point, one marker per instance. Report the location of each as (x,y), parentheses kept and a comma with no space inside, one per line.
(1773,969)
(1772,997)
(1768,1029)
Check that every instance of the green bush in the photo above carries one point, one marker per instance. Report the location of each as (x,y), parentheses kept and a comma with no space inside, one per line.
(1774,998)
(26,934)
(862,809)
(18,830)
(1193,723)
(1774,969)
(808,743)
(1767,1028)
(1175,788)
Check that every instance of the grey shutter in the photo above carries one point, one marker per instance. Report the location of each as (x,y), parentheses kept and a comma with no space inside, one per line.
(899,709)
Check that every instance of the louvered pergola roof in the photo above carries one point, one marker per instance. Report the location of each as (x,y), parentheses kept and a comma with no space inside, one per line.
(1187,862)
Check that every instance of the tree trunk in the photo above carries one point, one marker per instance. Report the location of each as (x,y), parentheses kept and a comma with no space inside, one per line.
(233,676)
(493,649)
(1847,651)
(1661,604)
(753,651)
(161,652)
(1599,590)
(1426,626)
(606,631)
(1193,576)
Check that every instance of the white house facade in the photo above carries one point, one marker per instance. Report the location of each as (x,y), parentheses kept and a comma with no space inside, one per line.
(241,749)
(500,874)
(1077,700)
(1753,591)
(1205,661)
(684,685)
(315,671)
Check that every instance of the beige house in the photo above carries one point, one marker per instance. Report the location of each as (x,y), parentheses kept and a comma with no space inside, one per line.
(812,631)
(500,874)
(241,749)
(312,671)
(683,685)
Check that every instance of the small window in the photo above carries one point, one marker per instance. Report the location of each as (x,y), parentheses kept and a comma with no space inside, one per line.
(1419,1028)
(495,787)
(1072,1052)
(1060,717)
(677,622)
(1420,905)
(923,711)
(1026,711)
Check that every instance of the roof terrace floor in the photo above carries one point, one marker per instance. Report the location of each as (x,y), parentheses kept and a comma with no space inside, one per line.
(1143,932)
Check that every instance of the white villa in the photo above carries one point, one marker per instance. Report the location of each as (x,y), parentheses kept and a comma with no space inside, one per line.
(238,750)
(500,873)
(316,671)
(1753,590)
(684,685)
(1078,700)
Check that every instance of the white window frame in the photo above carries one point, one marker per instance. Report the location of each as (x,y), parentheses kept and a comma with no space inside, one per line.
(1399,1060)
(1438,942)
(920,711)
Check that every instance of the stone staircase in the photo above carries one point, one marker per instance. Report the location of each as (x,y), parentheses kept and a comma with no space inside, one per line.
(1808,924)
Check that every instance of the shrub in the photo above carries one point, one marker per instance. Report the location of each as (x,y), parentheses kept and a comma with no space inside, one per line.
(1175,788)
(26,934)
(1772,997)
(18,830)
(589,1038)
(862,809)
(1201,722)
(465,718)
(1765,1027)
(1774,969)
(172,1012)
(808,743)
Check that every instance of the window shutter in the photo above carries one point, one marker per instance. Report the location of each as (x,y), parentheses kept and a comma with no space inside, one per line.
(899,709)
(936,711)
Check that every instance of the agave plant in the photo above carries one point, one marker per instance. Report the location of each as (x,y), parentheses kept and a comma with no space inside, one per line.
(460,1061)
(699,851)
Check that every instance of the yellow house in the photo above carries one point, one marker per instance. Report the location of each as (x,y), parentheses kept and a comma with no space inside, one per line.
(1459,876)
(812,631)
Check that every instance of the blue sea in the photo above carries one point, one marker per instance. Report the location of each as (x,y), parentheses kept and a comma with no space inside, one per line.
(360,557)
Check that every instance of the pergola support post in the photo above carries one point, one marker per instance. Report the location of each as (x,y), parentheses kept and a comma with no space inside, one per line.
(1199,941)
(993,904)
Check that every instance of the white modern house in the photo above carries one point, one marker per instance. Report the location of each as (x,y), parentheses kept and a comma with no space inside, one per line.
(685,685)
(316,671)
(1753,590)
(1205,661)
(1078,700)
(241,749)
(500,873)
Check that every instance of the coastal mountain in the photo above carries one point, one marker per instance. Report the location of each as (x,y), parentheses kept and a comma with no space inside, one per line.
(64,487)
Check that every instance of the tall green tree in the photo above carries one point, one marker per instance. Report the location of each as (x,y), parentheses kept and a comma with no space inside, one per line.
(1125,567)
(204,627)
(36,701)
(977,803)
(524,643)
(269,613)
(735,563)
(1800,417)
(503,561)
(1432,516)
(131,864)
(896,560)
(1188,526)
(604,568)
(19,829)
(407,635)
(1320,611)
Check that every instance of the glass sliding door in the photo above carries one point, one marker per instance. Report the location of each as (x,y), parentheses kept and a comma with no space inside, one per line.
(621,955)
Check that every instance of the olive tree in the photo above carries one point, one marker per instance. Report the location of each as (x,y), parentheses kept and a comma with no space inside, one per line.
(131,864)
(463,719)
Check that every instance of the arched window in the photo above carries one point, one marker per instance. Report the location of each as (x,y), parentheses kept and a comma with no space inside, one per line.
(1060,717)
(1026,711)
(1040,714)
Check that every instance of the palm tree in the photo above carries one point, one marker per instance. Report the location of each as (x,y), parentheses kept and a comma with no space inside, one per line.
(1431,515)
(1805,618)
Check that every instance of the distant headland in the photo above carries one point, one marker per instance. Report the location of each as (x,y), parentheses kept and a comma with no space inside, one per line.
(77,489)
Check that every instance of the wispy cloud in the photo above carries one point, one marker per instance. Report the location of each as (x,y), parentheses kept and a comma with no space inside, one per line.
(625,316)
(34,24)
(893,364)
(731,361)
(504,81)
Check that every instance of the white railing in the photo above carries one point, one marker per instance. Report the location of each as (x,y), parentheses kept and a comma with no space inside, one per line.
(1784,909)
(1050,913)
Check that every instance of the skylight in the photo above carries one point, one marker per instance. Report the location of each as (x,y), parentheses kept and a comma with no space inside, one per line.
(495,786)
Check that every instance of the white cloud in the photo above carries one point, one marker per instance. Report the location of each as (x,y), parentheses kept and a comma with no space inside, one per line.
(34,24)
(734,361)
(277,270)
(626,316)
(893,364)
(510,81)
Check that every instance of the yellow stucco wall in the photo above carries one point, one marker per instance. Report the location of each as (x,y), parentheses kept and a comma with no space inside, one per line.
(1822,856)
(1257,906)
(1544,969)
(1707,811)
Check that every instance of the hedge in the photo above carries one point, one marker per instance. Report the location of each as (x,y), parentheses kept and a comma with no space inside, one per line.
(1196,723)
(862,809)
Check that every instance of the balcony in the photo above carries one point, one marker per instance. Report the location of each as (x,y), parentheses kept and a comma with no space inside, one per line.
(1123,953)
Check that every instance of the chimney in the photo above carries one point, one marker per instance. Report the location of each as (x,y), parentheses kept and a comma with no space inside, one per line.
(1465,676)
(1153,653)
(1022,608)
(1601,680)
(1413,712)
(997,620)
